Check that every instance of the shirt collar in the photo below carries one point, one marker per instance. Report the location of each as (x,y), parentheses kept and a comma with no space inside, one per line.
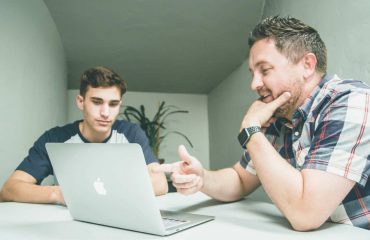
(77,124)
(304,109)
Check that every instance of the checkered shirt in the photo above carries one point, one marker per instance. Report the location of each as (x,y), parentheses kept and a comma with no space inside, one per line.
(331,132)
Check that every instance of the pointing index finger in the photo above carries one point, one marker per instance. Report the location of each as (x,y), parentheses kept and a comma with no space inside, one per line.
(166,168)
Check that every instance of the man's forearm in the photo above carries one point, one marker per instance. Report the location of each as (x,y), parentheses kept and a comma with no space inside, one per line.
(19,191)
(224,185)
(282,182)
(307,198)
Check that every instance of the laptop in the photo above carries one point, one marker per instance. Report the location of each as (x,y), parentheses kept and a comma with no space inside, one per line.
(109,184)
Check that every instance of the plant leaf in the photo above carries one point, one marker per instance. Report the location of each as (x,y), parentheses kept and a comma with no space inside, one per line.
(152,127)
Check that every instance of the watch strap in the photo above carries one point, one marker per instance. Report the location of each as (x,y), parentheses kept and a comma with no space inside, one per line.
(246,134)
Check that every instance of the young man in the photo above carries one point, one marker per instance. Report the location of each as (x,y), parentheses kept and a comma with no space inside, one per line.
(100,98)
(306,138)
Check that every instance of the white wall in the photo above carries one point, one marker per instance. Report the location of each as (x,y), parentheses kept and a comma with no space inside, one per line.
(344,27)
(194,124)
(33,79)
(227,104)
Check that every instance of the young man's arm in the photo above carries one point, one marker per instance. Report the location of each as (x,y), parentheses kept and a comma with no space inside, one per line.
(22,187)
(159,181)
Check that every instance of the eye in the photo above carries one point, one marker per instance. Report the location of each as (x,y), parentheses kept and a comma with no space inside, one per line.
(96,102)
(113,104)
(265,71)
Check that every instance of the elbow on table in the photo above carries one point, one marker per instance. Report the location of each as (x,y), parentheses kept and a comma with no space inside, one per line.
(10,191)
(5,194)
(227,198)
(304,224)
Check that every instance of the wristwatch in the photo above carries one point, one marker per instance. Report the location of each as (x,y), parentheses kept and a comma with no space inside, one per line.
(246,134)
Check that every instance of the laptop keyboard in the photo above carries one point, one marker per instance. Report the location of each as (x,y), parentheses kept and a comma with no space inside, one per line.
(170,222)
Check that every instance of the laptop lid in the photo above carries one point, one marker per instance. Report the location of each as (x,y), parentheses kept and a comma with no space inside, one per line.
(109,184)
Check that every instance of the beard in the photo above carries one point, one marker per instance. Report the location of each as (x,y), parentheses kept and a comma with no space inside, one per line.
(287,109)
(282,112)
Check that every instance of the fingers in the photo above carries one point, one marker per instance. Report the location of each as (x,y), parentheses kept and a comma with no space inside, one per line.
(184,155)
(187,191)
(186,184)
(283,98)
(57,196)
(186,160)
(268,123)
(183,178)
(166,167)
(189,163)
(186,174)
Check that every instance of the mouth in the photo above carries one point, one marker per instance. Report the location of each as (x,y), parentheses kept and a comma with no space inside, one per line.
(103,122)
(266,98)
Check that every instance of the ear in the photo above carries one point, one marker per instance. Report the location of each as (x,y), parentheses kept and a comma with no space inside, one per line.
(80,102)
(309,61)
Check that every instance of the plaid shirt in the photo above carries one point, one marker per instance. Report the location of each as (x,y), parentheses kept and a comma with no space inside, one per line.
(331,132)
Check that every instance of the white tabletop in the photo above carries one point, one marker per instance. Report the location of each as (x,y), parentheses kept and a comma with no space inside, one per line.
(246,219)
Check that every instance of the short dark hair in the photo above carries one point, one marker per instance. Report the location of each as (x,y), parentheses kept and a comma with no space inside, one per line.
(293,39)
(101,77)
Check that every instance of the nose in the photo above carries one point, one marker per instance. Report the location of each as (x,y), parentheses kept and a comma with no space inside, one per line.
(256,83)
(104,110)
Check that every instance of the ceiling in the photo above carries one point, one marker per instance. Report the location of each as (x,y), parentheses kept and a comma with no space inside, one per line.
(176,46)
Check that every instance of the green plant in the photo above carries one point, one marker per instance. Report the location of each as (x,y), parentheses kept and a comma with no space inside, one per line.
(153,127)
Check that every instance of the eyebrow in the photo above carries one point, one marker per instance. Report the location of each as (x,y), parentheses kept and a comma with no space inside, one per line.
(100,99)
(259,64)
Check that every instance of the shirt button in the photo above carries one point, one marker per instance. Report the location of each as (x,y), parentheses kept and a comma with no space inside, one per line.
(296,134)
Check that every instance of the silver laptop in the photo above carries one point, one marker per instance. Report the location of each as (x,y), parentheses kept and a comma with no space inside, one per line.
(109,184)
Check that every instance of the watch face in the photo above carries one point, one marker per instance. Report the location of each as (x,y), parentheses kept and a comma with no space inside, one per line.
(246,133)
(243,137)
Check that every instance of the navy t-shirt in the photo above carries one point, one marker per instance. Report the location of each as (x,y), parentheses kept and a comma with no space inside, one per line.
(37,163)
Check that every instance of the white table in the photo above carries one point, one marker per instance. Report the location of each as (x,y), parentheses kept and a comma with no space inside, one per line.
(246,219)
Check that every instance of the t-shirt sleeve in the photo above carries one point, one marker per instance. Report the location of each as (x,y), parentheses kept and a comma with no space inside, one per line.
(137,135)
(341,139)
(37,163)
(247,164)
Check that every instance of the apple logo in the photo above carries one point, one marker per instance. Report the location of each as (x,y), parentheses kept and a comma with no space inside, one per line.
(99,187)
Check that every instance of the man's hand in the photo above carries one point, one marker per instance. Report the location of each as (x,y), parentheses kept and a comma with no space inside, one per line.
(57,196)
(187,174)
(261,114)
(22,187)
